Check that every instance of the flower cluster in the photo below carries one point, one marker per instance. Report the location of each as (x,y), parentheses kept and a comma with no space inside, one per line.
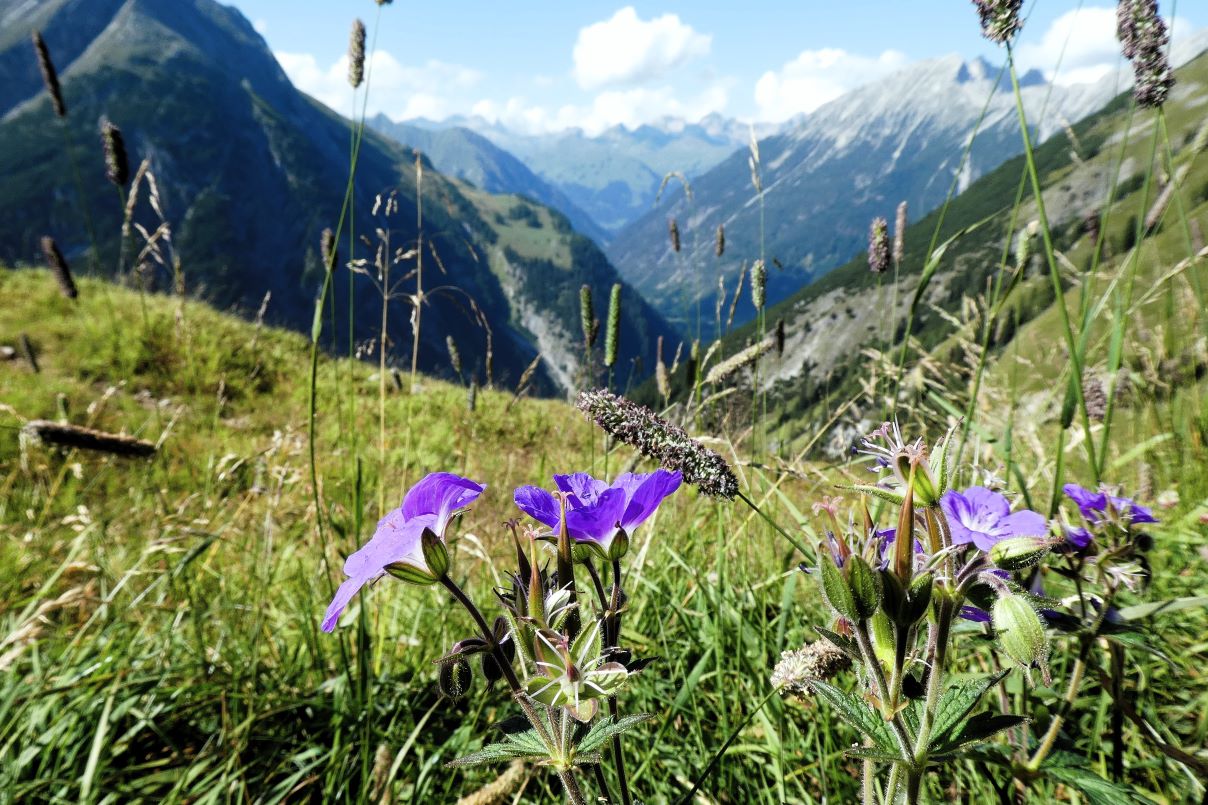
(999,19)
(1143,38)
(559,658)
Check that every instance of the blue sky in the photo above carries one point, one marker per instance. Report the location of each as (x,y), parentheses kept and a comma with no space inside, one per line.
(549,65)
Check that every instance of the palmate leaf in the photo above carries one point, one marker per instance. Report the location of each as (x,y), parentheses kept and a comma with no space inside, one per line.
(858,714)
(604,729)
(1071,770)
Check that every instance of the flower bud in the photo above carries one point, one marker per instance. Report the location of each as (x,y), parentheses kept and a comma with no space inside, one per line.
(893,595)
(454,678)
(1017,553)
(619,546)
(835,589)
(865,587)
(1020,632)
(918,598)
(436,555)
(883,640)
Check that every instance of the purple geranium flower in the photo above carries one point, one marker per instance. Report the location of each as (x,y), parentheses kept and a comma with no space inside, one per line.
(1094,506)
(431,503)
(595,511)
(983,517)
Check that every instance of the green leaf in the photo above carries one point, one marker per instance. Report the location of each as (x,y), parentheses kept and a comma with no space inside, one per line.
(955,704)
(1068,769)
(858,714)
(493,753)
(844,644)
(978,729)
(873,754)
(896,498)
(606,728)
(1139,611)
(527,741)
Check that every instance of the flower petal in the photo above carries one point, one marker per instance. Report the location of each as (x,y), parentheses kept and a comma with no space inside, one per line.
(538,504)
(988,501)
(597,523)
(347,590)
(583,488)
(1023,523)
(1088,502)
(441,494)
(958,511)
(645,499)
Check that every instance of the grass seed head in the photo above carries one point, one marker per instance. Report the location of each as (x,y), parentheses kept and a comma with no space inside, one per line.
(117,166)
(356,54)
(58,267)
(50,76)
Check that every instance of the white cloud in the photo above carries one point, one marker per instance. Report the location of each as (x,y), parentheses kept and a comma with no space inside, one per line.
(261,26)
(627,50)
(1080,46)
(401,91)
(818,76)
(627,107)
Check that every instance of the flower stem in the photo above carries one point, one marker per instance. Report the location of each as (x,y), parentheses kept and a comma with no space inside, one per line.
(792,540)
(612,632)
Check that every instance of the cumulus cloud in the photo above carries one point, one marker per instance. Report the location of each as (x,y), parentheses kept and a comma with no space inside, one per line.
(1080,46)
(400,91)
(818,76)
(629,50)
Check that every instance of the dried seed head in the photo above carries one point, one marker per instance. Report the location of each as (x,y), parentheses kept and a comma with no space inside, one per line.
(58,267)
(454,354)
(117,167)
(740,360)
(656,438)
(327,249)
(660,373)
(673,231)
(356,54)
(779,337)
(50,76)
(899,234)
(1096,398)
(612,333)
(759,284)
(878,246)
(999,19)
(1143,39)
(720,245)
(821,659)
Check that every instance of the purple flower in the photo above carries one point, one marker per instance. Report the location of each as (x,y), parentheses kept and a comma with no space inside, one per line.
(1094,506)
(595,511)
(431,503)
(983,517)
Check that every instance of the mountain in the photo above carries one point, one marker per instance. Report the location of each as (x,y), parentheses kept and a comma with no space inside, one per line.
(615,175)
(465,154)
(831,172)
(829,324)
(249,171)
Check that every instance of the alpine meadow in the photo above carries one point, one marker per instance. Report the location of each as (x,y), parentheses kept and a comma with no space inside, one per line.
(496,404)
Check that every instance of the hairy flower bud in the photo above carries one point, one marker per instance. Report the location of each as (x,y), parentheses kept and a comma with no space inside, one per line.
(1020,632)
(1017,553)
(865,587)
(836,590)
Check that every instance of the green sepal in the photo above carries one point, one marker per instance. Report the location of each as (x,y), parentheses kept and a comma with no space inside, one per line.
(865,587)
(405,571)
(619,546)
(881,492)
(436,555)
(835,589)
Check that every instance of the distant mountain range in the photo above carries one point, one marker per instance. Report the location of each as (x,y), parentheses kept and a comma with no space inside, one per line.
(615,176)
(826,176)
(249,172)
